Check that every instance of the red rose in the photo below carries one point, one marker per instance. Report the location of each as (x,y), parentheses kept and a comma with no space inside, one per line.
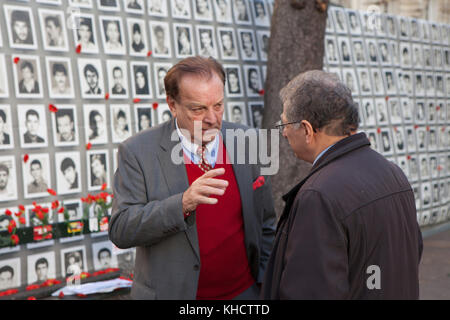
(15,239)
(61,210)
(40,215)
(16,60)
(8,212)
(22,220)
(21,207)
(12,225)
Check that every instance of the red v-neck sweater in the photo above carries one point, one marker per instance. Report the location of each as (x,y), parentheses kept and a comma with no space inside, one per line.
(224,270)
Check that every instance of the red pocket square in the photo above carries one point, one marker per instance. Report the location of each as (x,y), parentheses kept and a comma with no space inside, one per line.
(259,182)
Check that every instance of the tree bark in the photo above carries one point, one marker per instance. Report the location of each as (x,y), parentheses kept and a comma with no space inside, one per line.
(296,45)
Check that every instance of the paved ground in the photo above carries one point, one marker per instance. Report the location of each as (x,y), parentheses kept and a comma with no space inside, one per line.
(434,271)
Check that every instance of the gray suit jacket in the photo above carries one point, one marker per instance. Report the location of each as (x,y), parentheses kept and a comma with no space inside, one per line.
(147,214)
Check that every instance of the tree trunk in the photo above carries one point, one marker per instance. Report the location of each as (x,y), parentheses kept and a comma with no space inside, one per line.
(296,45)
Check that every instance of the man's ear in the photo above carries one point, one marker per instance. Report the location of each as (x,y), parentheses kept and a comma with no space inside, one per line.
(171,103)
(309,131)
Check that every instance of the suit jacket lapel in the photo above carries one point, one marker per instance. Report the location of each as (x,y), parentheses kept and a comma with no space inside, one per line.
(176,177)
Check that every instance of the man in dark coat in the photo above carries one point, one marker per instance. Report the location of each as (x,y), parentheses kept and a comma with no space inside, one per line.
(349,229)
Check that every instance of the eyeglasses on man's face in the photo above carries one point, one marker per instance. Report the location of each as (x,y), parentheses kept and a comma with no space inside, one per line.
(280,125)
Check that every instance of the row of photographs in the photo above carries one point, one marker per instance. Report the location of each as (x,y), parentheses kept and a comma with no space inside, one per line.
(42,266)
(430,194)
(366,51)
(114,38)
(434,216)
(60,83)
(364,81)
(345,21)
(409,139)
(66,129)
(243,11)
(396,111)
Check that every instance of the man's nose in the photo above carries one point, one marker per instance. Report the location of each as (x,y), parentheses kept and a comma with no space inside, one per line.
(210,117)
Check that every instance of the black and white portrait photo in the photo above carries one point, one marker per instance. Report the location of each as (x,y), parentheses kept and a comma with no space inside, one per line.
(4,87)
(59,77)
(263,43)
(340,20)
(98,168)
(206,41)
(419,88)
(386,141)
(74,209)
(252,80)
(137,38)
(184,44)
(117,79)
(227,43)
(429,85)
(121,122)
(354,21)
(359,52)
(6,126)
(381,111)
(157,8)
(241,11)
(407,106)
(163,113)
(385,55)
(410,137)
(73,261)
(368,112)
(68,170)
(373,139)
(144,118)
(345,50)
(140,79)
(389,81)
(113,35)
(421,139)
(32,125)
(349,79)
(21,29)
(236,112)
(95,123)
(256,112)
(395,111)
(247,44)
(233,86)
(53,28)
(364,81)
(109,5)
(377,81)
(8,179)
(27,75)
(160,70)
(134,6)
(36,175)
(222,9)
(9,273)
(331,50)
(103,257)
(41,267)
(160,39)
(81,3)
(203,10)
(181,9)
(420,112)
(85,34)
(399,140)
(260,13)
(417,56)
(65,126)
(91,78)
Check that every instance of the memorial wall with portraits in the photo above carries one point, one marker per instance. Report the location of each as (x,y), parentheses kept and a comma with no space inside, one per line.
(79,73)
(398,69)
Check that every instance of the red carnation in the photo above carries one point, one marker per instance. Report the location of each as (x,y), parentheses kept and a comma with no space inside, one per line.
(52,108)
(137,100)
(21,207)
(88,146)
(61,295)
(155,105)
(40,215)
(51,191)
(8,212)
(25,158)
(55,204)
(78,48)
(149,53)
(31,298)
(261,92)
(61,210)
(15,239)
(106,96)
(12,225)
(16,60)
(104,186)
(22,220)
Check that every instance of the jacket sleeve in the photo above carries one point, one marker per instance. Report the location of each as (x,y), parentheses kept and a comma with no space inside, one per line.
(135,221)
(268,229)
(316,262)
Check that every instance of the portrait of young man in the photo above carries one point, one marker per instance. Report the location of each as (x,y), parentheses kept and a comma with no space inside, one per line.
(206,41)
(113,35)
(223,10)
(59,77)
(27,74)
(33,128)
(6,135)
(98,164)
(36,173)
(54,34)
(91,78)
(21,28)
(227,40)
(9,273)
(96,123)
(202,10)
(85,35)
(160,39)
(318,252)
(64,126)
(68,168)
(73,261)
(157,8)
(103,256)
(41,267)
(196,223)
(8,182)
(117,78)
(4,86)
(160,71)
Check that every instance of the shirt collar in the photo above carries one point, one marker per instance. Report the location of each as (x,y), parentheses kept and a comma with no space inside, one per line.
(192,146)
(321,154)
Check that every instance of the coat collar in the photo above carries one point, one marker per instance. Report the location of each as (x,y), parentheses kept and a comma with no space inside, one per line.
(341,148)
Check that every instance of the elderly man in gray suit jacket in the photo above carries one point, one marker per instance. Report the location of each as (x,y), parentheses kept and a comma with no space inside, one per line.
(203,226)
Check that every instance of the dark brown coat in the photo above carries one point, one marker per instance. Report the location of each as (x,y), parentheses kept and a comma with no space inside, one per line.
(354,210)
